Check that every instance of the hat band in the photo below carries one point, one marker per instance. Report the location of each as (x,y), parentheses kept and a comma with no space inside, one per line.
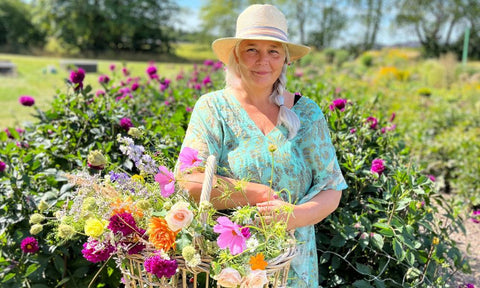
(268,31)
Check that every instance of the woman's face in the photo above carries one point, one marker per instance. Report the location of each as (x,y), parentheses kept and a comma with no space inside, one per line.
(260,62)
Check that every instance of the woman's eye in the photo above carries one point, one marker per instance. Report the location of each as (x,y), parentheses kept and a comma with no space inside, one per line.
(274,51)
(251,50)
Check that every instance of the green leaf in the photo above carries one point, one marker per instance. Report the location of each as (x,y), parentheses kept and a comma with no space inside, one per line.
(361,284)
(63,281)
(32,268)
(8,277)
(364,269)
(377,241)
(398,250)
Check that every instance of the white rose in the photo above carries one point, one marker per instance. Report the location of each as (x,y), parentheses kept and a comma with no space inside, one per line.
(228,277)
(179,216)
(255,279)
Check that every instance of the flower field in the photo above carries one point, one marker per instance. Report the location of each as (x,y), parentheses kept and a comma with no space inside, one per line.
(406,130)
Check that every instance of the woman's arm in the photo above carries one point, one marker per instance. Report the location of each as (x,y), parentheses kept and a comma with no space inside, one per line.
(227,192)
(308,213)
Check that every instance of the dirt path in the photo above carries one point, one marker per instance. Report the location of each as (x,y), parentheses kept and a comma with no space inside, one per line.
(473,253)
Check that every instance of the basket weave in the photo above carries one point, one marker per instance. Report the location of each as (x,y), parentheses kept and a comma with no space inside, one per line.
(135,275)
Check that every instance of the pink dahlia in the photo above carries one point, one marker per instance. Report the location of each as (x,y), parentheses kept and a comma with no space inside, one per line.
(77,76)
(29,245)
(160,267)
(123,223)
(95,251)
(377,166)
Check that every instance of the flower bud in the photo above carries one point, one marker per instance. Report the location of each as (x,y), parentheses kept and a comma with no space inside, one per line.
(36,218)
(96,159)
(135,132)
(42,206)
(36,228)
(65,231)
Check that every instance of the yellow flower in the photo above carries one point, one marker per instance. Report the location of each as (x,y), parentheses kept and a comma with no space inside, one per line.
(35,229)
(94,227)
(135,132)
(138,178)
(65,231)
(36,218)
(435,241)
(96,158)
(272,148)
(42,206)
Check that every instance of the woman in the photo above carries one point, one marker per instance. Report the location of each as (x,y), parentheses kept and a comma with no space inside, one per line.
(253,118)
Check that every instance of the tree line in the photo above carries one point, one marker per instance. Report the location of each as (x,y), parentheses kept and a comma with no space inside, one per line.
(150,25)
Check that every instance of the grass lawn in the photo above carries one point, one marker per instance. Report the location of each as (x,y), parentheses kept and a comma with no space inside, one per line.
(32,79)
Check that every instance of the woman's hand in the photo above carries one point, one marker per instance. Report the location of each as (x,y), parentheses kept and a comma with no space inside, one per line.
(277,210)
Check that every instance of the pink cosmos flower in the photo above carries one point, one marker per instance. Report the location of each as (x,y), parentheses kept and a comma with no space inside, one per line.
(188,158)
(230,236)
(166,180)
(29,245)
(26,100)
(377,166)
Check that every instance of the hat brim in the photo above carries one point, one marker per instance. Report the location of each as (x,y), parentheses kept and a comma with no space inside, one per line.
(223,47)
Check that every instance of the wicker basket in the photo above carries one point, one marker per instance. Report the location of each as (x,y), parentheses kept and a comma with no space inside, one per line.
(134,273)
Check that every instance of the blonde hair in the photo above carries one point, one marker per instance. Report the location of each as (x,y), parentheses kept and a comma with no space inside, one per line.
(286,116)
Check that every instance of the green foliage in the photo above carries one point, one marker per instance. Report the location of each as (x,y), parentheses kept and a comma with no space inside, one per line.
(77,123)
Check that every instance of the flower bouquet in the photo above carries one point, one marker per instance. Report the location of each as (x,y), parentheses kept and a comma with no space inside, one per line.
(157,234)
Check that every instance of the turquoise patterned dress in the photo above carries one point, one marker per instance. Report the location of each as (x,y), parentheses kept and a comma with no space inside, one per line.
(304,165)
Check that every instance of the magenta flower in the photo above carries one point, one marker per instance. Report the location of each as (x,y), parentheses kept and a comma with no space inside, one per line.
(373,122)
(353,130)
(377,166)
(179,76)
(166,180)
(476,216)
(392,117)
(188,158)
(206,81)
(95,251)
(217,65)
(160,267)
(103,79)
(188,109)
(26,100)
(99,93)
(432,178)
(3,166)
(208,62)
(112,67)
(197,87)
(29,245)
(125,71)
(246,232)
(134,86)
(123,223)
(77,76)
(151,70)
(126,123)
(139,245)
(338,104)
(230,236)
(298,74)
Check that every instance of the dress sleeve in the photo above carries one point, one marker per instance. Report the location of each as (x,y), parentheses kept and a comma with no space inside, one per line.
(204,132)
(320,154)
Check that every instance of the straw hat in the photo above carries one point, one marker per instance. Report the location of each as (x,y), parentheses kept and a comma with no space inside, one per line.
(260,22)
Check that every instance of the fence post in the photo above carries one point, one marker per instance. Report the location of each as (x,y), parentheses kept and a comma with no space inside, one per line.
(465,46)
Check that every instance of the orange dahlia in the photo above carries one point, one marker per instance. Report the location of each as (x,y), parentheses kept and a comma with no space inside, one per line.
(160,235)
(258,262)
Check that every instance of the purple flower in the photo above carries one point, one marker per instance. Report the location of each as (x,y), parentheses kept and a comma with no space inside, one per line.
(377,166)
(217,65)
(206,81)
(26,100)
(125,71)
(188,109)
(432,178)
(373,122)
(95,251)
(103,79)
(3,166)
(353,130)
(151,70)
(137,245)
(77,76)
(476,216)
(246,232)
(338,104)
(134,86)
(392,117)
(124,223)
(112,67)
(99,93)
(160,267)
(126,123)
(197,87)
(29,245)
(208,62)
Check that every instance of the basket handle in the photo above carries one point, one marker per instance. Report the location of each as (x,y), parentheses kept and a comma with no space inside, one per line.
(210,168)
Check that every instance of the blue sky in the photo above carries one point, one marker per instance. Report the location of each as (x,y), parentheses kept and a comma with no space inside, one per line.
(386,35)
